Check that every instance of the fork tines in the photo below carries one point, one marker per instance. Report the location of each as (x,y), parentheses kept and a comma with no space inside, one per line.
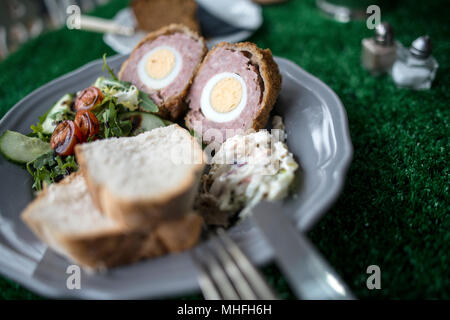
(226,273)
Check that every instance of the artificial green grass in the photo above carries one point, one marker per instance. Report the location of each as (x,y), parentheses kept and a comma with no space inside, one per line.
(394,209)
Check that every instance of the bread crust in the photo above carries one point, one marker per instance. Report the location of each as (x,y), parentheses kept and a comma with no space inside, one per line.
(153,14)
(118,248)
(174,107)
(145,212)
(268,71)
(120,245)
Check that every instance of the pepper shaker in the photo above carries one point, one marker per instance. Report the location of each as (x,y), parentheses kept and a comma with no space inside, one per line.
(415,68)
(379,52)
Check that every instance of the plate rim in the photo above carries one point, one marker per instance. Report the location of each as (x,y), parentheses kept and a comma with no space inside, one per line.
(342,166)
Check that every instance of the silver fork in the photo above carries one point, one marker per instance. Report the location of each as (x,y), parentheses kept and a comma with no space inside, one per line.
(225,273)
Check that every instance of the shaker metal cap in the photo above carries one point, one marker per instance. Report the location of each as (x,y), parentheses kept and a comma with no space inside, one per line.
(421,47)
(384,34)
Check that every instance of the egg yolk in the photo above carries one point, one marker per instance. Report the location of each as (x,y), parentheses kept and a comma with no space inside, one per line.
(226,95)
(160,64)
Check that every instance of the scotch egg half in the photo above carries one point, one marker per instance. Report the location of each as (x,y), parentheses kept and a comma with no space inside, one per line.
(159,67)
(223,97)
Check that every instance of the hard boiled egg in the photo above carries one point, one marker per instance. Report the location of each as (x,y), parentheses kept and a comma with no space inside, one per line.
(159,67)
(223,97)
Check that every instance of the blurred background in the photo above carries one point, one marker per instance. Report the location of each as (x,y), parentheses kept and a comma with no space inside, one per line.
(21,20)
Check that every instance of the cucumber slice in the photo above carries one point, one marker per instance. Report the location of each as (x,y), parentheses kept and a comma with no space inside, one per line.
(20,148)
(150,121)
(143,121)
(63,105)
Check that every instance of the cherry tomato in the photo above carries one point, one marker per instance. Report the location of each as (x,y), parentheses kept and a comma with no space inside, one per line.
(64,138)
(87,122)
(88,98)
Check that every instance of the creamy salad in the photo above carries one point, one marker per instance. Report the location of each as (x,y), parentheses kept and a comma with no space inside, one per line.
(249,168)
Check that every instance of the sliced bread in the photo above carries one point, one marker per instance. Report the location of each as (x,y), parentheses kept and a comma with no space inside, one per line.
(143,180)
(64,217)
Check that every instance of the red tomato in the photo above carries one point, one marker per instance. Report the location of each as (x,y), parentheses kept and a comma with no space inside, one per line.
(88,123)
(88,98)
(64,138)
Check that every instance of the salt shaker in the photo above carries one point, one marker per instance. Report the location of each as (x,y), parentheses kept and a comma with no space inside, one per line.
(379,52)
(415,68)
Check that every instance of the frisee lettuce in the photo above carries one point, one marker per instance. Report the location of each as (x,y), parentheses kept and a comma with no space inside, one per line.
(127,94)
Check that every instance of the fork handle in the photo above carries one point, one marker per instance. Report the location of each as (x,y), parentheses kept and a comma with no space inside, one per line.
(308,274)
(95,24)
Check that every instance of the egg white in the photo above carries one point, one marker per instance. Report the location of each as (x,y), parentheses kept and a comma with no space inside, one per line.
(205,100)
(164,82)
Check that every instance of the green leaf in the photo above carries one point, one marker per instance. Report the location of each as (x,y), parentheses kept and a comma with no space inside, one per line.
(111,124)
(50,168)
(45,159)
(147,104)
(103,82)
(111,72)
(37,131)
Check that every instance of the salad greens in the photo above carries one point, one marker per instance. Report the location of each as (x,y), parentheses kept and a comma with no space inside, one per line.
(50,168)
(124,111)
(110,123)
(58,113)
(40,129)
(126,93)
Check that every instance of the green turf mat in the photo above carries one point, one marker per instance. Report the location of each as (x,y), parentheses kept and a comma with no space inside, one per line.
(394,209)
